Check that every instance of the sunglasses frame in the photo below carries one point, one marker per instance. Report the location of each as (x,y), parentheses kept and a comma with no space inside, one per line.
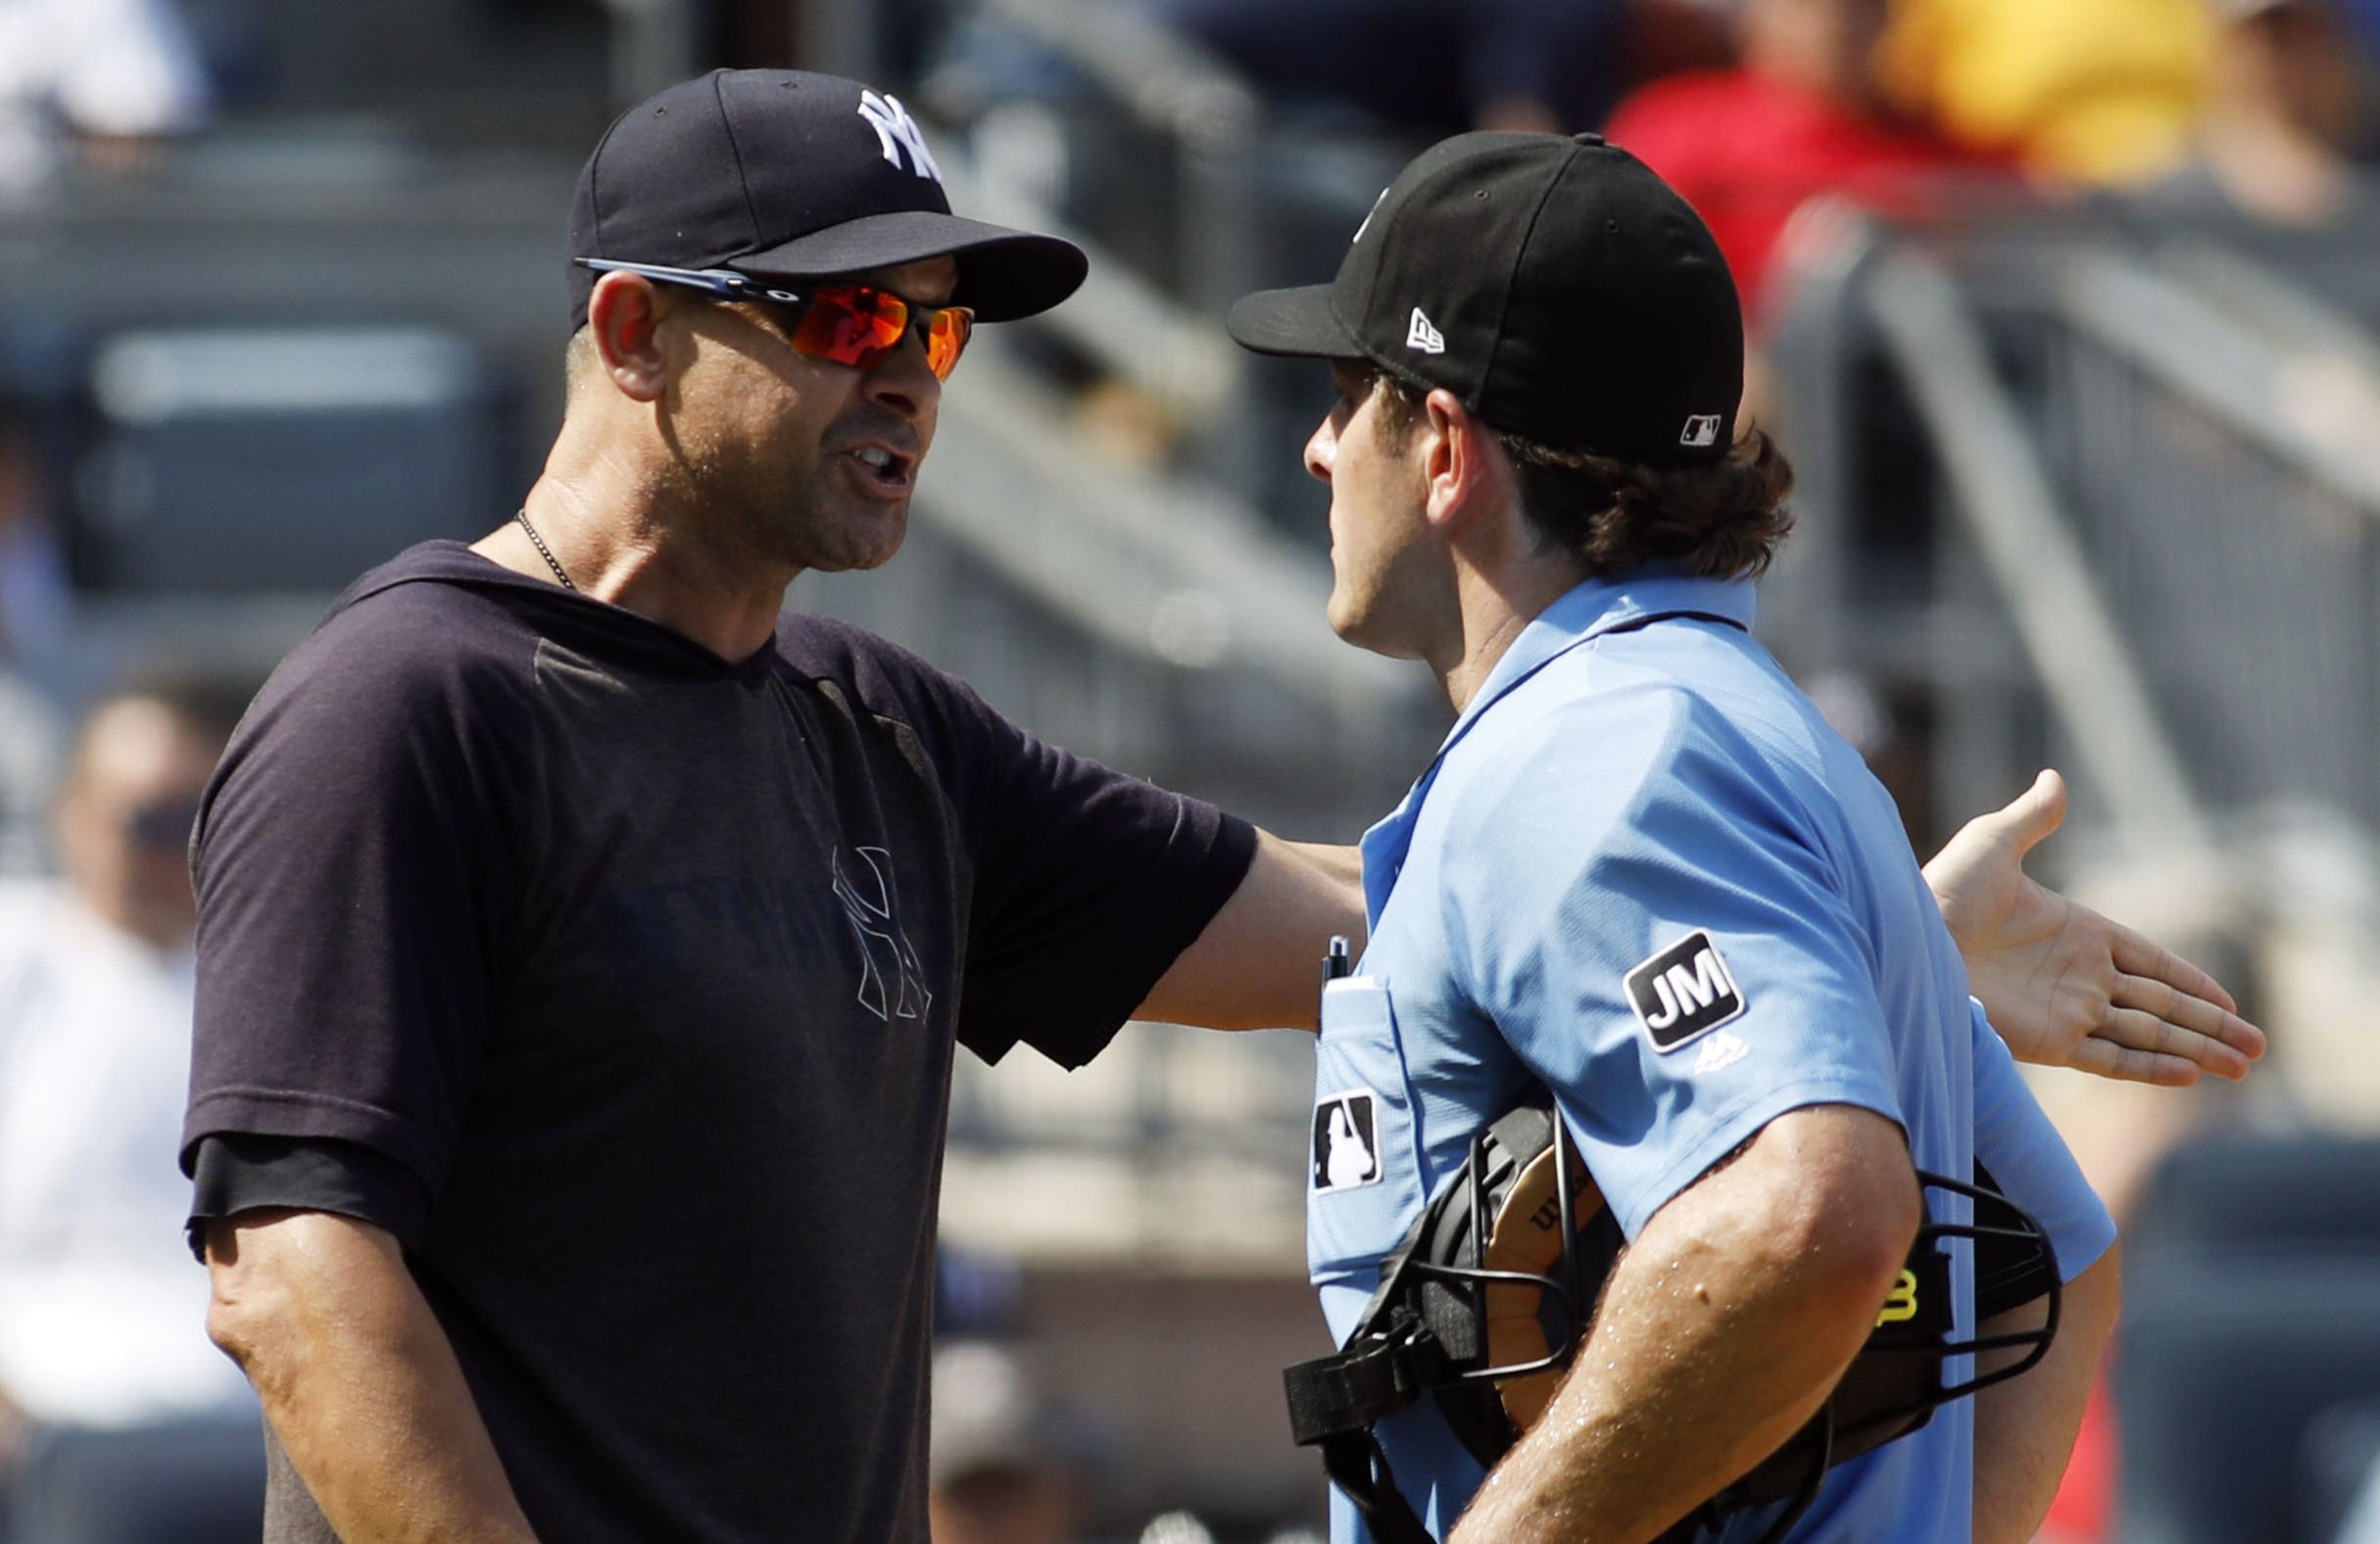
(728,284)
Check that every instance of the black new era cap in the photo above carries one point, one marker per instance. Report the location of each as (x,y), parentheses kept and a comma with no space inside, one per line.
(784,175)
(1557,287)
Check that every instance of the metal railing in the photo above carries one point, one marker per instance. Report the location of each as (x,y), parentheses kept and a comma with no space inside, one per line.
(1131,328)
(1167,80)
(2126,494)
(2003,493)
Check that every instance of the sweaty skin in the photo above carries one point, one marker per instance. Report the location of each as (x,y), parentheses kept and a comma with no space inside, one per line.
(1719,1334)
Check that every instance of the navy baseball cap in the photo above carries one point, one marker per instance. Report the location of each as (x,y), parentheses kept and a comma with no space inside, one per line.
(1554,284)
(785,175)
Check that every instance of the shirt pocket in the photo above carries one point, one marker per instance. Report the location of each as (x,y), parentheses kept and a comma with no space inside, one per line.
(1363,1182)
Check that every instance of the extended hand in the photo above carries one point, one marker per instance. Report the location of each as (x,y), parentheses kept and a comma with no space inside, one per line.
(2066,986)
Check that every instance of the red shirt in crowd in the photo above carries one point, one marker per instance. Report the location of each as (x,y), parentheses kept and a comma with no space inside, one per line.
(1747,152)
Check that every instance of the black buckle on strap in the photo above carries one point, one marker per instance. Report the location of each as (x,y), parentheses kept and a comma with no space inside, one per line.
(1374,1378)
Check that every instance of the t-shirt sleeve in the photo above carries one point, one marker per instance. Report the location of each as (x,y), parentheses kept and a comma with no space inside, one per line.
(1089,884)
(352,870)
(2029,1161)
(1663,941)
(233,1174)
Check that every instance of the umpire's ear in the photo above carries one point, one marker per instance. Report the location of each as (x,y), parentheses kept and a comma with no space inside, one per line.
(1464,477)
(623,316)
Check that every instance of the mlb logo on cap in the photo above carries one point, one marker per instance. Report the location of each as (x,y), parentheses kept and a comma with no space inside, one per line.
(1701,432)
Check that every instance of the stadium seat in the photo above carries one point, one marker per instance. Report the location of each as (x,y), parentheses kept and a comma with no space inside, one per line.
(2252,1271)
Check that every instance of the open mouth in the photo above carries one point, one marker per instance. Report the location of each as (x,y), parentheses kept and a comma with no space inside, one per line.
(886,470)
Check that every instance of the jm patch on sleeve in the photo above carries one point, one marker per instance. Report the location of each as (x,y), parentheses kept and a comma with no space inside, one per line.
(1683,992)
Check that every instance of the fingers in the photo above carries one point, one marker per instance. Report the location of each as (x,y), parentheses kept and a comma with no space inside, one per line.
(2140,958)
(2124,1064)
(2160,982)
(2134,1029)
(2043,807)
(2197,1015)
(2030,816)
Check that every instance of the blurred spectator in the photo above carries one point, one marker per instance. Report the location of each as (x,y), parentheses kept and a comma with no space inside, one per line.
(103,1351)
(995,1474)
(1427,66)
(32,617)
(27,756)
(1421,68)
(977,1293)
(32,573)
(2090,91)
(2281,121)
(103,78)
(1669,37)
(760,34)
(1799,117)
(31,633)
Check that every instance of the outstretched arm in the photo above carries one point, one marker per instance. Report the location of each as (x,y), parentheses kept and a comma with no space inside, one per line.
(2066,986)
(1258,963)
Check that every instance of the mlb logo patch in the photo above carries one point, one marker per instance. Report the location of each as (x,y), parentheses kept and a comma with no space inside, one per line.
(1347,1142)
(1701,432)
(1683,992)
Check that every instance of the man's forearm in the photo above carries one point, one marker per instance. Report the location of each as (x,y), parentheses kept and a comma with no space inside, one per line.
(2024,1427)
(1721,1331)
(358,1381)
(1257,963)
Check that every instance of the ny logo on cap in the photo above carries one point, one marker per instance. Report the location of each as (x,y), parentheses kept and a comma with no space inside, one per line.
(897,131)
(1701,432)
(1421,334)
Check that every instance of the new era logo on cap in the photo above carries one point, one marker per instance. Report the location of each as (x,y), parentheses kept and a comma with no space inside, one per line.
(1701,432)
(1419,334)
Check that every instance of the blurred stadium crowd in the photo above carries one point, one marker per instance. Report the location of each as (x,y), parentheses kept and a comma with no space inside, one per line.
(2067,315)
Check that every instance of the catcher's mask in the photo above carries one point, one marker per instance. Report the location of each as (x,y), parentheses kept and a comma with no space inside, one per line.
(1484,1304)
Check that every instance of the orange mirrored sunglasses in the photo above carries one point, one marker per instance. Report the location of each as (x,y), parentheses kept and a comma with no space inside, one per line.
(854,325)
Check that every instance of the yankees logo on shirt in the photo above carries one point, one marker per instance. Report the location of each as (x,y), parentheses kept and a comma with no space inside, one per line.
(892,983)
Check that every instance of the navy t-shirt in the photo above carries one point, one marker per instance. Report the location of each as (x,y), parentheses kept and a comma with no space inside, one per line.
(647,969)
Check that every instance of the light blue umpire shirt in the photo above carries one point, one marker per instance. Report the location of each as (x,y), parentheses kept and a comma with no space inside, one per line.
(1644,872)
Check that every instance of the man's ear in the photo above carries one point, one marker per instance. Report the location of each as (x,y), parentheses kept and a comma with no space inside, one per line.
(623,316)
(1458,465)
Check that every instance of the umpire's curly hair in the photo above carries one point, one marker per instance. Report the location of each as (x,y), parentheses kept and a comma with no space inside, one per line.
(1720,522)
